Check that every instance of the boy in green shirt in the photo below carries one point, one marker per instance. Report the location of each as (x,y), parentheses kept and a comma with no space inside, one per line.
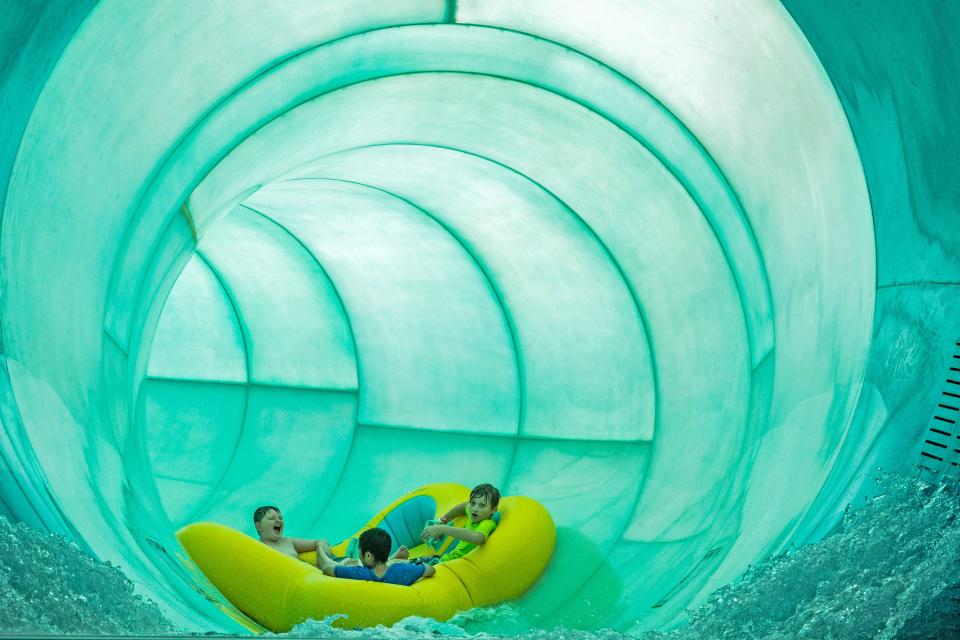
(484,499)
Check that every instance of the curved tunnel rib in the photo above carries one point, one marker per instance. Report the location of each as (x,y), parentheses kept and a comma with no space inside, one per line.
(247,361)
(600,110)
(511,330)
(570,212)
(591,235)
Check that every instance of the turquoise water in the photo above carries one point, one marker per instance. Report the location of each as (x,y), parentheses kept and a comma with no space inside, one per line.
(687,273)
(50,586)
(889,572)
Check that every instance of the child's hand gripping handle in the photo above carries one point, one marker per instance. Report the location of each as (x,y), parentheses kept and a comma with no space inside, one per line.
(436,541)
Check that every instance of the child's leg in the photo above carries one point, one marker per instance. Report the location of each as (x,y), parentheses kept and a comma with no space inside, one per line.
(326,546)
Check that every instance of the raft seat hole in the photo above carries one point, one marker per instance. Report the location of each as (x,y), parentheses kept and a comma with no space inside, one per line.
(405,522)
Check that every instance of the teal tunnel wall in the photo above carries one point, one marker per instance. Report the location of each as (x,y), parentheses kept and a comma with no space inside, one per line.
(685,273)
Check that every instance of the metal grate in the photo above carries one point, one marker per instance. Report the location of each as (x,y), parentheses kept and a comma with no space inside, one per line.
(940,453)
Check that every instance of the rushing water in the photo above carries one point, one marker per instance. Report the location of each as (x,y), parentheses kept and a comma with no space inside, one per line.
(890,572)
(49,586)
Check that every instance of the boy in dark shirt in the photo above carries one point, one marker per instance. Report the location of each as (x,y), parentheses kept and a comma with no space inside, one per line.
(375,564)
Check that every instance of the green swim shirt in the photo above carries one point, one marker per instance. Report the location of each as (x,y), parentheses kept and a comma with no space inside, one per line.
(484,526)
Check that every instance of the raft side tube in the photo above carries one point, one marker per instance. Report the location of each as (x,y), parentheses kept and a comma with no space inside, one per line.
(513,557)
(262,595)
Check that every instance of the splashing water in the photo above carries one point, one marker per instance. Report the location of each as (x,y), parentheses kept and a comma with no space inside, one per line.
(49,586)
(490,623)
(890,572)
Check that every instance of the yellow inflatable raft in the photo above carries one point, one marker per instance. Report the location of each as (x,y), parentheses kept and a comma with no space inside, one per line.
(280,592)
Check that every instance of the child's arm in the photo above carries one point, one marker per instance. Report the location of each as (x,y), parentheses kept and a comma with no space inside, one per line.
(473,537)
(303,545)
(454,512)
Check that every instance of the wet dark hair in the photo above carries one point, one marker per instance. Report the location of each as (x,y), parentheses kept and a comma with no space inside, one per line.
(376,541)
(262,511)
(488,491)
